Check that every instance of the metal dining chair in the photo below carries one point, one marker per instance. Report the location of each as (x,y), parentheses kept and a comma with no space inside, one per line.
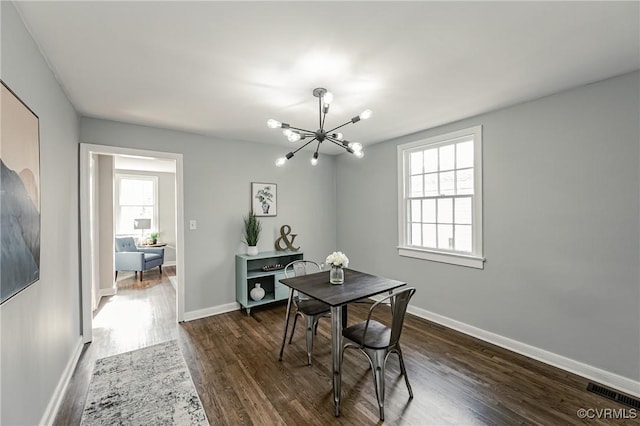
(377,341)
(308,308)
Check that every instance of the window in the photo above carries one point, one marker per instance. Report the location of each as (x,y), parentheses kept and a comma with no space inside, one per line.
(136,198)
(440,198)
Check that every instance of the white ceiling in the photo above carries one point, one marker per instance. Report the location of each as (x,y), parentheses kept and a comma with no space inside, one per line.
(224,68)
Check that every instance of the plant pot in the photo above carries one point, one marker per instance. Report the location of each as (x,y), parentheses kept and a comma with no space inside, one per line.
(252,250)
(336,275)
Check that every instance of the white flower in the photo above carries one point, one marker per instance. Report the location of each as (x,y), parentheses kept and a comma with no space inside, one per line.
(337,258)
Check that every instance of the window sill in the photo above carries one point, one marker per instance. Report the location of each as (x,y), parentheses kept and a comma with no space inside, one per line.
(443,257)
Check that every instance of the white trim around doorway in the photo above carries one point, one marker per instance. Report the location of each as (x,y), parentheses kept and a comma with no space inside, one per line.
(86,150)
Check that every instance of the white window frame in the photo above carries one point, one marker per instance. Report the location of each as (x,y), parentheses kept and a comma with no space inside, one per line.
(475,259)
(154,219)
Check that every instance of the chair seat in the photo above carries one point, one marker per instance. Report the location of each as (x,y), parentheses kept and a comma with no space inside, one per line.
(313,307)
(151,256)
(378,335)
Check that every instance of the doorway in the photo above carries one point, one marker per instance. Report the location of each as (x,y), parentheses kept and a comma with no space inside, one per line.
(91,248)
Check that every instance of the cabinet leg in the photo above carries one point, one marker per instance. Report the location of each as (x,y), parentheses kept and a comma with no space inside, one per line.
(248,311)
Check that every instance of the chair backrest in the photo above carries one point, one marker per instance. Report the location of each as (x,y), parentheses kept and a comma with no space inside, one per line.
(125,244)
(298,268)
(400,303)
(301,267)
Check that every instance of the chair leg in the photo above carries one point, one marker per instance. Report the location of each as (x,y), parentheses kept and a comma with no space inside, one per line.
(160,269)
(311,323)
(140,275)
(403,370)
(293,329)
(116,275)
(378,378)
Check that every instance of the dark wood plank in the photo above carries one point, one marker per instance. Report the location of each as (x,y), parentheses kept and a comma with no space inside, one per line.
(456,379)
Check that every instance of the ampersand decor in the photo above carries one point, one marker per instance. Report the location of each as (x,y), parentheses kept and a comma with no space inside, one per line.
(284,231)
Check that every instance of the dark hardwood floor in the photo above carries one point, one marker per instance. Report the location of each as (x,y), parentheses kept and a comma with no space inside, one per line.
(233,360)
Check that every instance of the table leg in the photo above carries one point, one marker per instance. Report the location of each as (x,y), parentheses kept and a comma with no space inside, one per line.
(286,323)
(336,349)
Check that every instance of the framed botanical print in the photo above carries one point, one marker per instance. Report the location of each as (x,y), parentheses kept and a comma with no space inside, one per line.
(264,199)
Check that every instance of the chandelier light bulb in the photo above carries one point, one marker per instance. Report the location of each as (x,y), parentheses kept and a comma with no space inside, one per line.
(287,132)
(327,98)
(355,146)
(314,159)
(293,136)
(280,161)
(358,154)
(272,124)
(338,136)
(365,114)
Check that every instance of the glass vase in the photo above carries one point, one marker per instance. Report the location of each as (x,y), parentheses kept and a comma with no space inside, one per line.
(336,275)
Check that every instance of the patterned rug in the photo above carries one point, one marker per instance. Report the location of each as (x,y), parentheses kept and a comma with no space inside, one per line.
(149,386)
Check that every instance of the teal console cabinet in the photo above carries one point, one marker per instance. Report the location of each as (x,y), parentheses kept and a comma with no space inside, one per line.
(250,270)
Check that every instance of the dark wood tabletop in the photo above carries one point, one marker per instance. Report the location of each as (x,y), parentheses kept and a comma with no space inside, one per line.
(357,285)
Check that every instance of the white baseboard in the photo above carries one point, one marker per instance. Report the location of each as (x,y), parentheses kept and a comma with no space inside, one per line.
(104,292)
(603,377)
(169,263)
(214,310)
(56,399)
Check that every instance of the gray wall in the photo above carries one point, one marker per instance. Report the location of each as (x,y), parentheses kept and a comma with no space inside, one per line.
(41,325)
(561,231)
(217,178)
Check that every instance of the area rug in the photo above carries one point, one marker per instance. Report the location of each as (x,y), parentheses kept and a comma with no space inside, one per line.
(149,386)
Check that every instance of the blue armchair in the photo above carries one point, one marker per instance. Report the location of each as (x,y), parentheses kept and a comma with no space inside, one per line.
(131,258)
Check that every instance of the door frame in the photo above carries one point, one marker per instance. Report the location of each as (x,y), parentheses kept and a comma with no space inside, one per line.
(86,264)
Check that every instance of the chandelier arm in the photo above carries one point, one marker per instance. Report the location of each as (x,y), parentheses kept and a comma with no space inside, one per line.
(336,128)
(310,132)
(336,142)
(304,145)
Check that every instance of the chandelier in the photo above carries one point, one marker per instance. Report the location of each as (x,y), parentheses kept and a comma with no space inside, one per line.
(295,134)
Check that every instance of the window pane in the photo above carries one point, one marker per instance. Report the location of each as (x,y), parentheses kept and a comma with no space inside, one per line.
(445,210)
(431,184)
(130,192)
(445,237)
(431,160)
(416,239)
(416,186)
(415,210)
(463,210)
(416,163)
(147,192)
(429,235)
(464,181)
(128,214)
(447,157)
(429,211)
(447,183)
(464,154)
(463,238)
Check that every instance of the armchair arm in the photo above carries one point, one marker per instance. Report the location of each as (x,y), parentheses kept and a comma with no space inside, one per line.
(156,250)
(129,261)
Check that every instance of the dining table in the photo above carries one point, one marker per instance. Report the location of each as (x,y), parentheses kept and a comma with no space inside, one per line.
(357,285)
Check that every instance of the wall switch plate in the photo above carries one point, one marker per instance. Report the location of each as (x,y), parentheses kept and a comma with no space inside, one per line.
(192,224)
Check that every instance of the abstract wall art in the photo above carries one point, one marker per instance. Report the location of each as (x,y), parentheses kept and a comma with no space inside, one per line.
(19,196)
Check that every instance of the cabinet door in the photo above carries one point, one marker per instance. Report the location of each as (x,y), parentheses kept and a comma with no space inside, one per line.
(282,291)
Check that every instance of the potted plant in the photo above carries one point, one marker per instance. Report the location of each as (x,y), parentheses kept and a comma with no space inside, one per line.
(252,228)
(154,237)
